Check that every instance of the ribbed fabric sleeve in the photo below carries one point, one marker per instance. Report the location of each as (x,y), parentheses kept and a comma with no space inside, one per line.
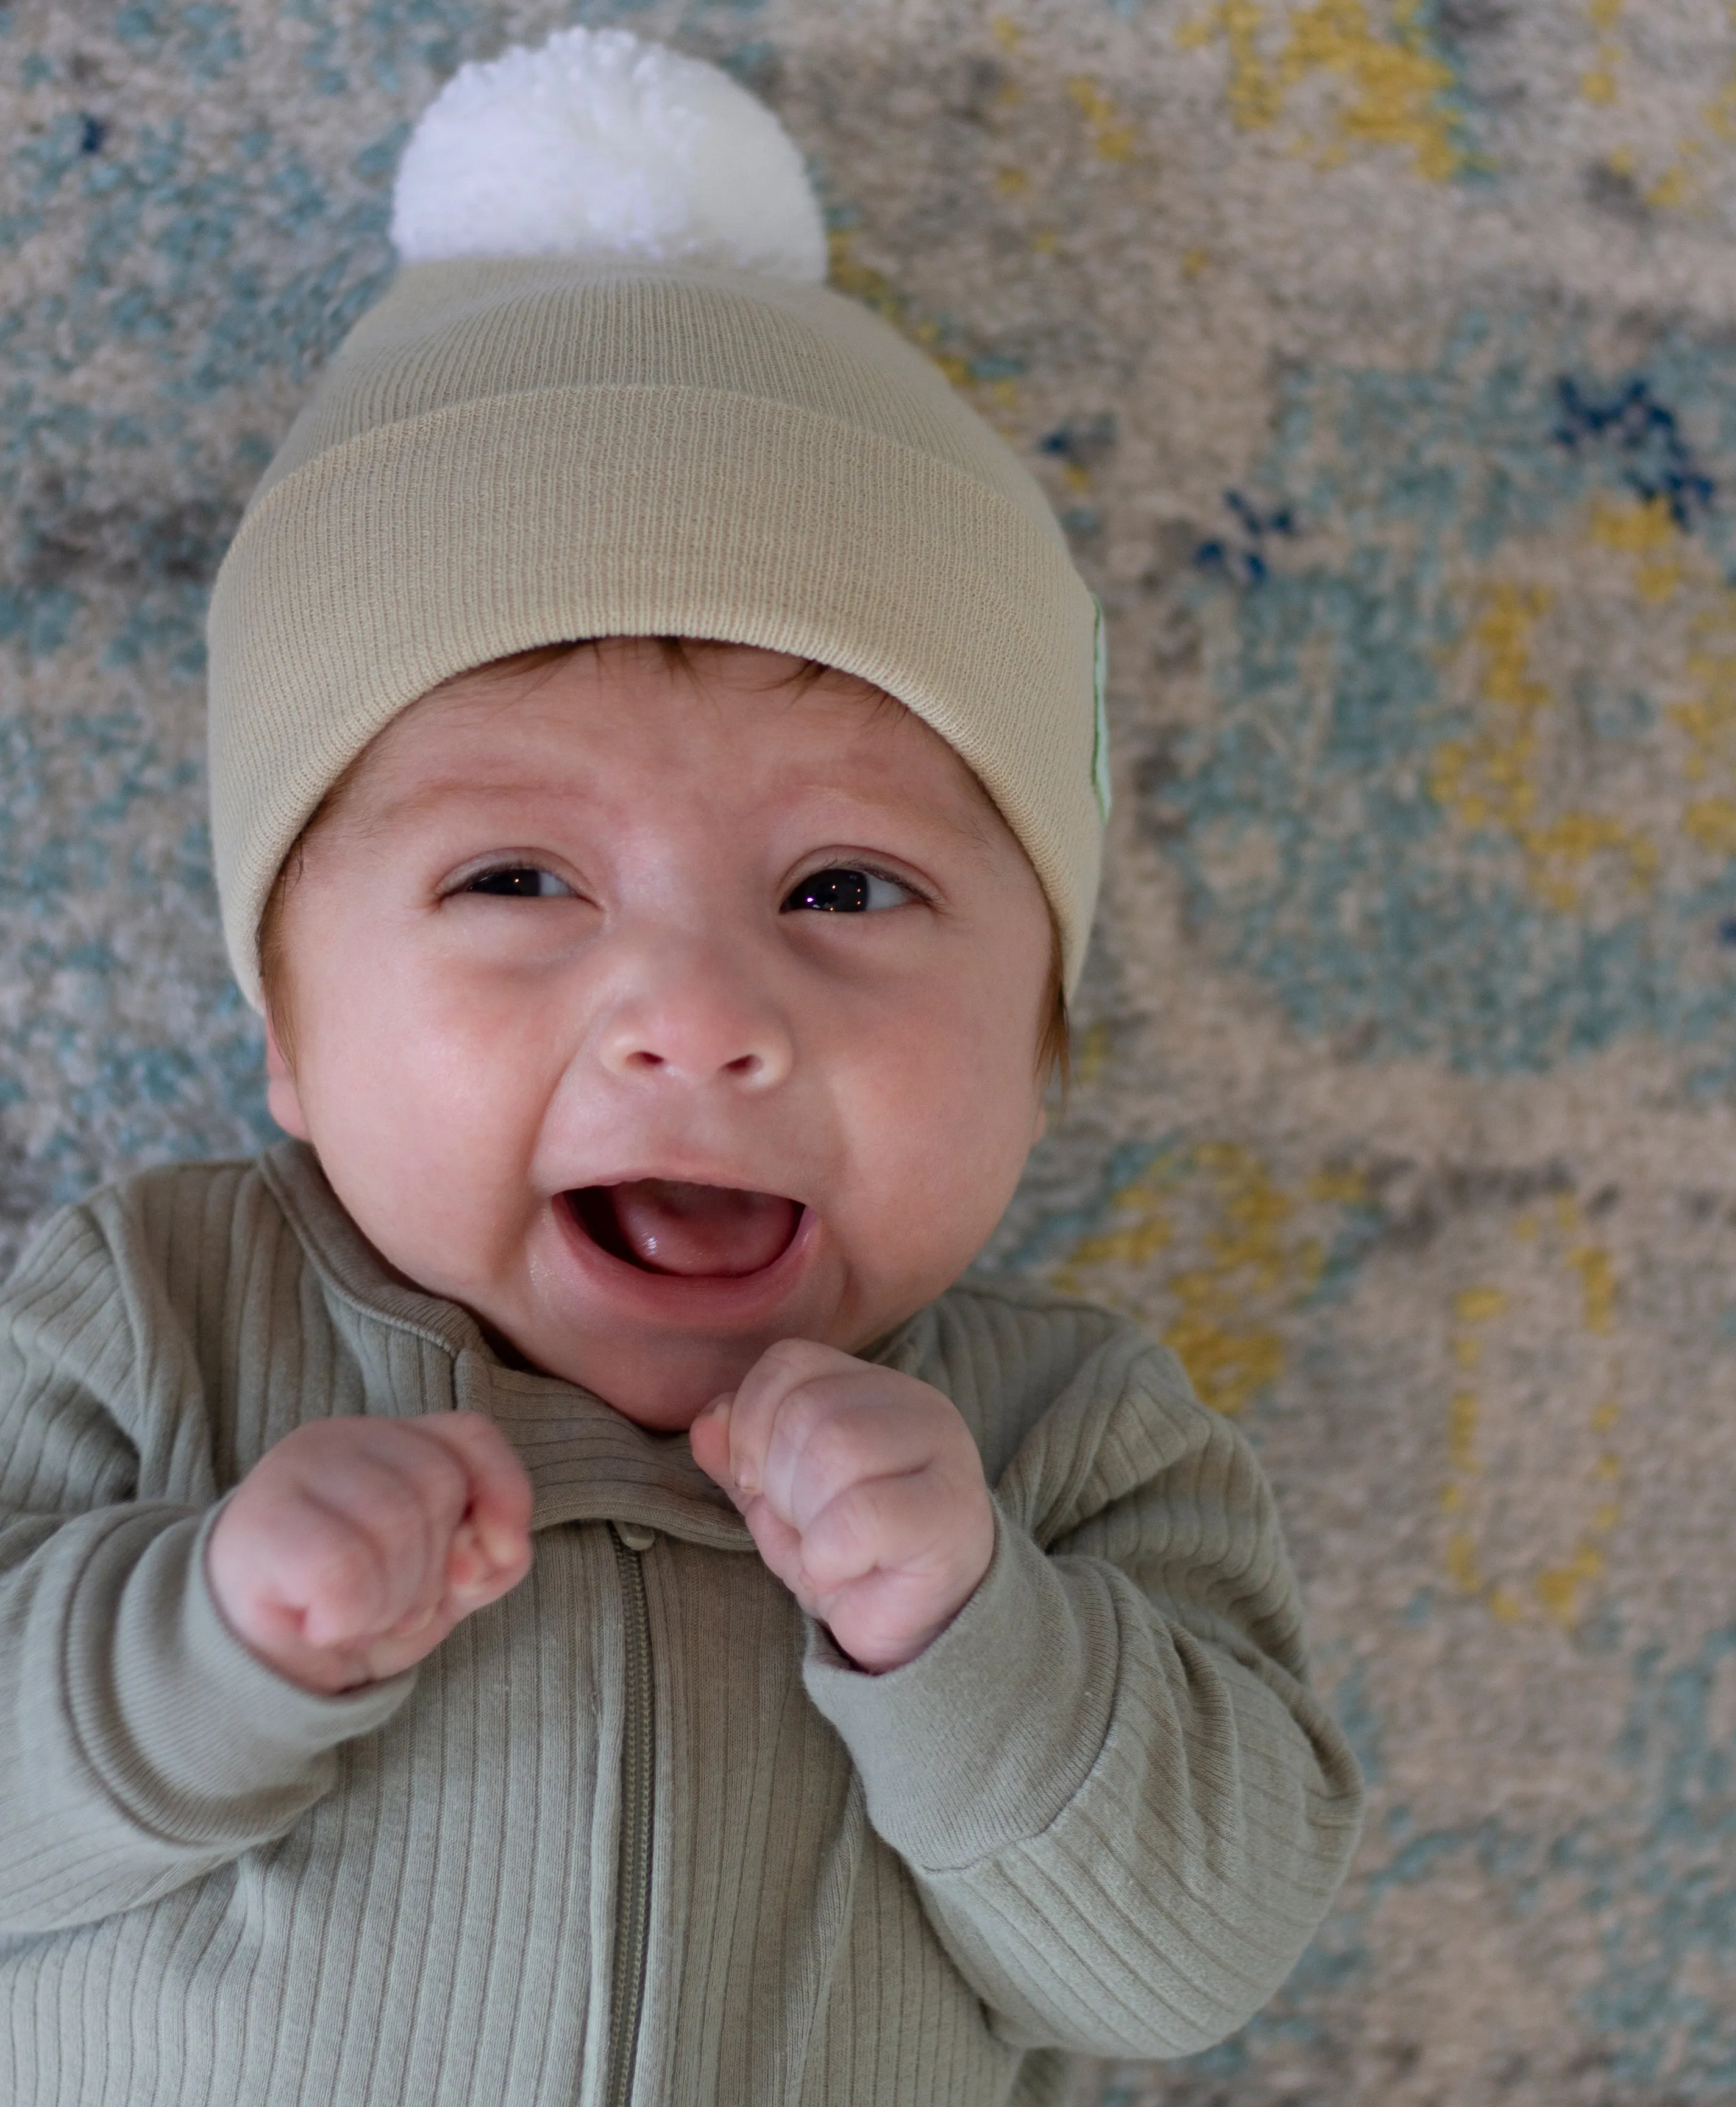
(141,1743)
(1127,1845)
(956,1761)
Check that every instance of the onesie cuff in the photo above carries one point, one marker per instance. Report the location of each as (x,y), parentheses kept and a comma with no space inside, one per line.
(981,1740)
(195,1726)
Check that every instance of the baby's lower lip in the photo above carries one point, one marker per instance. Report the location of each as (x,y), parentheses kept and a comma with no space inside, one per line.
(694,1232)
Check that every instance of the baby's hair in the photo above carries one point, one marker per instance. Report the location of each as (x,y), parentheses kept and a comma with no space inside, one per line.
(1054,1043)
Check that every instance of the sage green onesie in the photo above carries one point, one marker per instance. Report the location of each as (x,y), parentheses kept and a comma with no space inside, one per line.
(636,1832)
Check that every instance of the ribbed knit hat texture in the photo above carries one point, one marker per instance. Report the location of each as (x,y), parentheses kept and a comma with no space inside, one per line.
(630,434)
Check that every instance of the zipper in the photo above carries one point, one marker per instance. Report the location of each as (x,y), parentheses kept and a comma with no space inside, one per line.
(632,1859)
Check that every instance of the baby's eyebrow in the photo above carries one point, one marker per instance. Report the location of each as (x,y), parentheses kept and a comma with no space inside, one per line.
(372,814)
(967,824)
(374,808)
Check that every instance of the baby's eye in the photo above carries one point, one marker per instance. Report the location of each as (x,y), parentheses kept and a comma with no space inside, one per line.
(520,882)
(847,891)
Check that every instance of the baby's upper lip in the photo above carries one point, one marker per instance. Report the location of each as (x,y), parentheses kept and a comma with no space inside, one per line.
(682,1170)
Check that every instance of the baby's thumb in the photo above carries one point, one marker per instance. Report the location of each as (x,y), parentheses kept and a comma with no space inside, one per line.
(708,1438)
(498,1512)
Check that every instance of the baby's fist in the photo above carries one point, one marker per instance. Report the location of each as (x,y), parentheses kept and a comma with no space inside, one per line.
(352,1549)
(864,1490)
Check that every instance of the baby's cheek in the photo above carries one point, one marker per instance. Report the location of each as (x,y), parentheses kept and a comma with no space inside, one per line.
(948,1173)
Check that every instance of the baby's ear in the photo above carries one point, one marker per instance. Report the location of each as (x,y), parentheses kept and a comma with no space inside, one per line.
(282,1100)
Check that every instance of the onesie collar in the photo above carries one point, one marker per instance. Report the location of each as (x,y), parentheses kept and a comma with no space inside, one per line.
(587,1461)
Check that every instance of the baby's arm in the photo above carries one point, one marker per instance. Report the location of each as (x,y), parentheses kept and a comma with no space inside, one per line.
(142,1742)
(1125,1812)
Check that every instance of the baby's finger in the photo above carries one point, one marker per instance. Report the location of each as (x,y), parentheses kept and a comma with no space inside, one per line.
(913,1524)
(475,1576)
(325,1575)
(708,1437)
(400,1490)
(781,1371)
(838,1430)
(498,1514)
(779,1545)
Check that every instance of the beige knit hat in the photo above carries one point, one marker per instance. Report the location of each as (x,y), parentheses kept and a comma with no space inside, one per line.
(630,434)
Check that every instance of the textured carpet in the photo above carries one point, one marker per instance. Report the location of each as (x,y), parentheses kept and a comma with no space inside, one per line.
(1381,357)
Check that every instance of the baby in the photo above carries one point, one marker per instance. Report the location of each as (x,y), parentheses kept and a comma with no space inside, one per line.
(545,1587)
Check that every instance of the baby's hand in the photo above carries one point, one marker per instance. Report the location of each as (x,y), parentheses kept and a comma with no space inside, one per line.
(351,1549)
(864,1490)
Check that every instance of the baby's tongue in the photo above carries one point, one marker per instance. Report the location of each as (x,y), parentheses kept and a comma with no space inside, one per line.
(673,1228)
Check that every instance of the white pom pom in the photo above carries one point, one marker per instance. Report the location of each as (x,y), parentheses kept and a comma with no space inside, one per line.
(599,145)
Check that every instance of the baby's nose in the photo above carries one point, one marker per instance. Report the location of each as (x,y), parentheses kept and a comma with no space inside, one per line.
(699,1033)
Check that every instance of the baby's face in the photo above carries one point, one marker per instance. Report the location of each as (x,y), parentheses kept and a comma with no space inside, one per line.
(656,1015)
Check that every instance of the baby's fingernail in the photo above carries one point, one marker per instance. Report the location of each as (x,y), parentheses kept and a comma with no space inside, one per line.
(500,1546)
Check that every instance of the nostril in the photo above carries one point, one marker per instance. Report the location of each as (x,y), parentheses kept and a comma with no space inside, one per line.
(638,1054)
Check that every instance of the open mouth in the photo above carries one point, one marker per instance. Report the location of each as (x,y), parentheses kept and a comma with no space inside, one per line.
(695,1232)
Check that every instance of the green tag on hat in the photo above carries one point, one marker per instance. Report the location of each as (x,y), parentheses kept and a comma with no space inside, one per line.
(1100,734)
